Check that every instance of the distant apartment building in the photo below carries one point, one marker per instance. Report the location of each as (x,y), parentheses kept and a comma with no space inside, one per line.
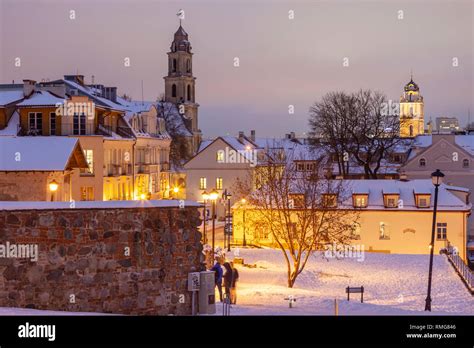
(447,125)
(452,154)
(125,144)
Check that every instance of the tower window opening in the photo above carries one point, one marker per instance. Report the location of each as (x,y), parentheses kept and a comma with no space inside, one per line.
(188,66)
(173,91)
(189,92)
(174,65)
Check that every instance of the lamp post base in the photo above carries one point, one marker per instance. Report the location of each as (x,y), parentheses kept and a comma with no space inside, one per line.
(428,304)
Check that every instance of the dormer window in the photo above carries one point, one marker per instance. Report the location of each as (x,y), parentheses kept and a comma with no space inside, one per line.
(329,200)
(422,162)
(360,200)
(422,200)
(391,200)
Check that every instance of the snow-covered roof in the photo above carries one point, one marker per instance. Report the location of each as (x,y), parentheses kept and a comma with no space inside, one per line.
(8,97)
(466,142)
(12,127)
(42,98)
(19,205)
(376,188)
(94,93)
(39,153)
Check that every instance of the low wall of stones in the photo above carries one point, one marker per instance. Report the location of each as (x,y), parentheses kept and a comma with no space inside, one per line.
(111,260)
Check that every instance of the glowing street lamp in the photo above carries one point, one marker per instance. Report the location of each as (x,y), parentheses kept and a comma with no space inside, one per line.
(53,187)
(437,180)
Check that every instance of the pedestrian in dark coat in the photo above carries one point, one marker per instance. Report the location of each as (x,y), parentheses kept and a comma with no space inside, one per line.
(217,268)
(233,288)
(228,278)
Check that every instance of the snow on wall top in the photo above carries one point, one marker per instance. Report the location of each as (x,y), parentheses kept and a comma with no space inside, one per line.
(23,205)
(35,153)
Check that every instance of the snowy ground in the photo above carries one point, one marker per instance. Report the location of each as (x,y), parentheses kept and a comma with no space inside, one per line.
(394,285)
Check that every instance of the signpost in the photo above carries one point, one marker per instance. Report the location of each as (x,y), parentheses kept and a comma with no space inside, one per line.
(194,283)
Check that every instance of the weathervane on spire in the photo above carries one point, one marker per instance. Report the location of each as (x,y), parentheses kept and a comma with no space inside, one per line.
(180,15)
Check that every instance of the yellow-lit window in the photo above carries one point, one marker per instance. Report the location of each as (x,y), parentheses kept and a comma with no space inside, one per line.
(202,183)
(220,156)
(89,154)
(219,183)
(87,193)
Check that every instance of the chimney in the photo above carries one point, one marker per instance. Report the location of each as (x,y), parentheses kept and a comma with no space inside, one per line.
(403,177)
(292,135)
(241,136)
(28,87)
(110,93)
(252,135)
(287,136)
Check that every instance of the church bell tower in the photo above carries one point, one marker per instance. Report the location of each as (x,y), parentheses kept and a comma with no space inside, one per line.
(180,83)
(412,115)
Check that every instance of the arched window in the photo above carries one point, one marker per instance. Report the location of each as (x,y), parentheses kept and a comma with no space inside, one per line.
(173,91)
(411,130)
(422,162)
(189,92)
(174,65)
(465,163)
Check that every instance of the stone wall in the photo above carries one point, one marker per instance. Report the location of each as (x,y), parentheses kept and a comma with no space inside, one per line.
(112,260)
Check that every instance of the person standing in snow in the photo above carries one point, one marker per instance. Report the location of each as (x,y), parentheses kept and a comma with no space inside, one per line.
(228,278)
(217,268)
(233,288)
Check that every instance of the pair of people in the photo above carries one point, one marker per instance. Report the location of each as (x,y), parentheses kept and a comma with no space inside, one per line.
(230,278)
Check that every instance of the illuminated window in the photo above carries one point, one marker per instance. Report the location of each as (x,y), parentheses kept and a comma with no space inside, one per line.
(87,193)
(89,155)
(441,230)
(360,201)
(219,183)
(202,183)
(220,156)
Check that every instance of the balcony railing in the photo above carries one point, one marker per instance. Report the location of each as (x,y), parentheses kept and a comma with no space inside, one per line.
(119,170)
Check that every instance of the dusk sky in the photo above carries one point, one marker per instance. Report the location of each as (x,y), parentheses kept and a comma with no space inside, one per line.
(282,61)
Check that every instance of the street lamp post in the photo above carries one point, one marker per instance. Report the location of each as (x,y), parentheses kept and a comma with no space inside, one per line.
(213,197)
(437,179)
(228,219)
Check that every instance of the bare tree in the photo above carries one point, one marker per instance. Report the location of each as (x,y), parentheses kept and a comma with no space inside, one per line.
(298,207)
(179,148)
(329,121)
(357,128)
